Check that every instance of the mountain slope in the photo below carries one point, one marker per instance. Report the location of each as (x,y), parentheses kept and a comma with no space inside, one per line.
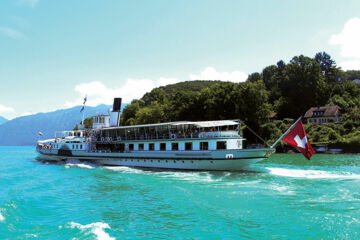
(24,130)
(3,120)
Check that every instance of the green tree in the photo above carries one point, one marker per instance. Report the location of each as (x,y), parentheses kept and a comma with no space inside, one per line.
(268,74)
(303,86)
(218,102)
(252,103)
(150,114)
(157,94)
(327,65)
(183,105)
(253,77)
(346,96)
(129,112)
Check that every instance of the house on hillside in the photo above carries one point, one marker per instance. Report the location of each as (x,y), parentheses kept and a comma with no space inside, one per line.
(320,115)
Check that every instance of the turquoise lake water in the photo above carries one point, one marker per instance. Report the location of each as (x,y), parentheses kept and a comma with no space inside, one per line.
(285,197)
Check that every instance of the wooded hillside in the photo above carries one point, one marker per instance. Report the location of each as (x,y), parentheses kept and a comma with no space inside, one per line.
(288,89)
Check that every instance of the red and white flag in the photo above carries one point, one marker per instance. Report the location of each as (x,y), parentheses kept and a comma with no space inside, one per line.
(40,133)
(298,139)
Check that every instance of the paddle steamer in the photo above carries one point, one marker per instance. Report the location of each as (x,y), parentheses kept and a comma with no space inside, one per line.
(205,145)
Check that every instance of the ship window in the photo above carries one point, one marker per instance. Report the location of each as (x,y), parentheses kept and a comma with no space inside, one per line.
(141,147)
(188,146)
(80,146)
(221,145)
(162,146)
(121,147)
(131,147)
(73,146)
(204,146)
(151,146)
(175,146)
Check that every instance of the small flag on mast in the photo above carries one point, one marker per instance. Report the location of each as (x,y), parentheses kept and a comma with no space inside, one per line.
(298,139)
(83,107)
(40,133)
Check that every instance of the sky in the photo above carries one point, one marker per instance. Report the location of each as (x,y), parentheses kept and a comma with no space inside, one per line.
(53,53)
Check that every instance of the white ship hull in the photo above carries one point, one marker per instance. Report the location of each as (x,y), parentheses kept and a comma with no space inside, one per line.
(206,145)
(237,159)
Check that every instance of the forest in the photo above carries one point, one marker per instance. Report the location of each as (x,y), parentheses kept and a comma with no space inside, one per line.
(287,89)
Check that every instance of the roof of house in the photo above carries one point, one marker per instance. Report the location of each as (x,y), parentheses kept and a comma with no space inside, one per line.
(329,111)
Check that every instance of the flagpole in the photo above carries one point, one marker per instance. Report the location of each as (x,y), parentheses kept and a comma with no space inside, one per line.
(285,133)
(82,110)
(82,117)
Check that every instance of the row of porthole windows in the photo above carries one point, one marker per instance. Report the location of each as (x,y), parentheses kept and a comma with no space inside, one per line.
(175,161)
(175,146)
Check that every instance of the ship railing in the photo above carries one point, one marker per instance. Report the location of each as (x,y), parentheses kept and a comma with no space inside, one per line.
(168,136)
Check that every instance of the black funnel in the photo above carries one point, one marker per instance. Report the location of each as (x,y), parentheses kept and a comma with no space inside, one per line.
(117,105)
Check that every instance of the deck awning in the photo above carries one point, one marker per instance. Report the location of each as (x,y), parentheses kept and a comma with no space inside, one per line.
(201,124)
(216,123)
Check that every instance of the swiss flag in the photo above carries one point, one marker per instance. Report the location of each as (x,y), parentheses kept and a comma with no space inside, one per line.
(298,139)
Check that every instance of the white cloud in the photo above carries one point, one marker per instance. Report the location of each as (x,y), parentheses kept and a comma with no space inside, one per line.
(4,109)
(11,33)
(97,93)
(210,73)
(26,114)
(348,40)
(350,65)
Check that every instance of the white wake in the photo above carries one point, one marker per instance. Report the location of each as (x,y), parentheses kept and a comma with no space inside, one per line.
(312,174)
(179,175)
(124,169)
(78,164)
(98,229)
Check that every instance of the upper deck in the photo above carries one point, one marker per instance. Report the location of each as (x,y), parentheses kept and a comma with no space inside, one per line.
(159,131)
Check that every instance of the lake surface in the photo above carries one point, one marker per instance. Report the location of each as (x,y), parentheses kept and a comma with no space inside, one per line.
(285,197)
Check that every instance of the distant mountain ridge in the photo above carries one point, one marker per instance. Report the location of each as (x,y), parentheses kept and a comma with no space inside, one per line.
(3,120)
(24,130)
